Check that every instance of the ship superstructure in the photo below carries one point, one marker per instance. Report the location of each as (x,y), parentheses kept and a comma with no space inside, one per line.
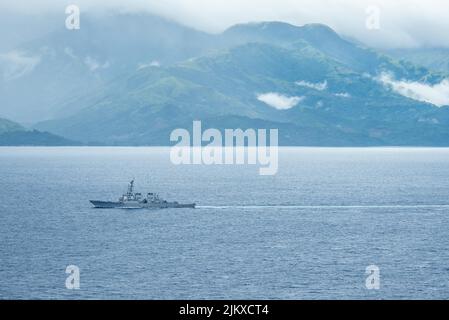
(132,200)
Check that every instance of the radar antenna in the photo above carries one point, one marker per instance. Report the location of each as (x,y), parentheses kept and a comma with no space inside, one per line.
(131,187)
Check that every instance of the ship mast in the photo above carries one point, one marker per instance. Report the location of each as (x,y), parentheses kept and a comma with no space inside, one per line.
(131,188)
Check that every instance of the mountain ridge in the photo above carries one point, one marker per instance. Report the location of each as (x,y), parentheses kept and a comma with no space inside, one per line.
(239,74)
(326,85)
(14,134)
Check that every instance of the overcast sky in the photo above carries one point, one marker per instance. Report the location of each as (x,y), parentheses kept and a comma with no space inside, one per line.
(403,23)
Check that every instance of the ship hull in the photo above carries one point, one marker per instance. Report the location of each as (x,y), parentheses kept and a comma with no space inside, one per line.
(139,205)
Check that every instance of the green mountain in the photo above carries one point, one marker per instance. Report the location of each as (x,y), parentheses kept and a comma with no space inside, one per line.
(7,126)
(130,79)
(435,59)
(13,134)
(340,100)
(39,75)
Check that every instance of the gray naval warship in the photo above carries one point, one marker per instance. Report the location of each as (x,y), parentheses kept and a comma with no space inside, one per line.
(131,200)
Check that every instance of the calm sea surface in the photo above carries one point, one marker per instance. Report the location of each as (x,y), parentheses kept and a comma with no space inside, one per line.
(308,232)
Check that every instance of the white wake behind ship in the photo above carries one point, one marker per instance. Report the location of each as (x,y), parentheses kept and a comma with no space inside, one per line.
(131,200)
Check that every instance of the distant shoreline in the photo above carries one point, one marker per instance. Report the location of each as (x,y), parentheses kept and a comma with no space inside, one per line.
(284,147)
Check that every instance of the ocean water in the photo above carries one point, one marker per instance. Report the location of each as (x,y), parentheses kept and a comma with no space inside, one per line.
(308,232)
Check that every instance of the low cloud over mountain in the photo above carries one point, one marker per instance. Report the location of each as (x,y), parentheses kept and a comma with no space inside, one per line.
(279,101)
(436,94)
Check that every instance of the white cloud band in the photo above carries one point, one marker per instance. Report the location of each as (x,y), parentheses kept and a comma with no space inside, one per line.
(437,94)
(279,101)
